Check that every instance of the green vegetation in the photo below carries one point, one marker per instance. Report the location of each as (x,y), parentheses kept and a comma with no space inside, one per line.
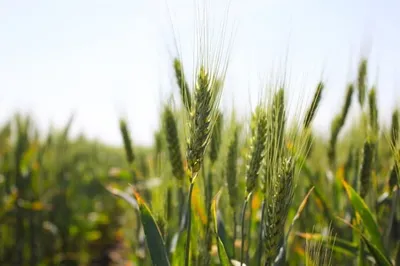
(212,190)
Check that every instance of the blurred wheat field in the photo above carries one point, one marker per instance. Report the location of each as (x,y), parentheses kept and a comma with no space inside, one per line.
(213,189)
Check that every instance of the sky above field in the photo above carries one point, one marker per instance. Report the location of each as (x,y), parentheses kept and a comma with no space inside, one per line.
(103,59)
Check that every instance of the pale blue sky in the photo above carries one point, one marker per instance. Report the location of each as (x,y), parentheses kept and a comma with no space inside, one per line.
(102,59)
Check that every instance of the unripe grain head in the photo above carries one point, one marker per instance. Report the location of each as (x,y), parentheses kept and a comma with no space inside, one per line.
(182,84)
(366,168)
(314,105)
(201,121)
(281,196)
(127,141)
(231,170)
(172,138)
(215,142)
(373,111)
(362,81)
(257,149)
(394,131)
(338,123)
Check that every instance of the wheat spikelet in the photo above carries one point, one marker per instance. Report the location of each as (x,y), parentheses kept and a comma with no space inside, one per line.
(257,149)
(278,204)
(158,142)
(215,141)
(338,123)
(362,81)
(127,141)
(366,168)
(373,111)
(278,122)
(275,138)
(182,84)
(394,130)
(314,105)
(231,170)
(202,119)
(394,177)
(172,138)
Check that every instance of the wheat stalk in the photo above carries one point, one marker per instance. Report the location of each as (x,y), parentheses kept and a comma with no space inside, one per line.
(254,161)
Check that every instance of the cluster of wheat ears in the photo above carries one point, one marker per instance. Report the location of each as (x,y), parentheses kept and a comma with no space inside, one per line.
(261,164)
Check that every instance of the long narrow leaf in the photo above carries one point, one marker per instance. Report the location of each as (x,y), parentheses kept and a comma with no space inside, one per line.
(128,198)
(366,216)
(380,257)
(155,242)
(223,256)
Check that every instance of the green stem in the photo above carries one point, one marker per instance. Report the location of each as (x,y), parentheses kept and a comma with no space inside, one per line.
(249,231)
(260,242)
(243,237)
(189,223)
(234,233)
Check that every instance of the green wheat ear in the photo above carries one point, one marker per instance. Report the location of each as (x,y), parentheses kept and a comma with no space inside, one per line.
(231,169)
(127,141)
(276,122)
(314,105)
(366,168)
(394,130)
(172,138)
(158,141)
(362,81)
(202,119)
(278,204)
(215,142)
(257,148)
(182,84)
(394,176)
(338,123)
(373,111)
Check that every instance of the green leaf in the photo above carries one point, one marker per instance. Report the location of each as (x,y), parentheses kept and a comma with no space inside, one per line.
(154,240)
(379,256)
(128,198)
(366,216)
(380,259)
(225,238)
(223,256)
